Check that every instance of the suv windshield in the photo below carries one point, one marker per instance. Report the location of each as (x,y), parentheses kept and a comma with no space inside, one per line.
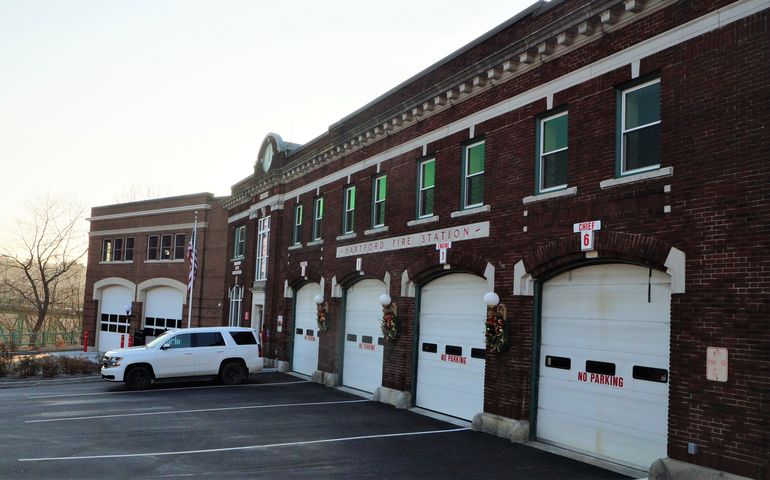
(161,339)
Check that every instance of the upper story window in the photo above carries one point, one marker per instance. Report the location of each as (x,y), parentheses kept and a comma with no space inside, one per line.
(426,188)
(349,211)
(473,175)
(296,232)
(107,250)
(163,247)
(379,194)
(318,217)
(263,235)
(638,136)
(551,144)
(239,242)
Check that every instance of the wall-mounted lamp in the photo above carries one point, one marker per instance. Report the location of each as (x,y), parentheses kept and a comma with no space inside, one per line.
(389,317)
(322,313)
(496,324)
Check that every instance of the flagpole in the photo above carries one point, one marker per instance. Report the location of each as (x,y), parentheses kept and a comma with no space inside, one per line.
(193,260)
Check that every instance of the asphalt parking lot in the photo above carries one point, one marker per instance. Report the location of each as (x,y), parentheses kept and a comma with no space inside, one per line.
(274,427)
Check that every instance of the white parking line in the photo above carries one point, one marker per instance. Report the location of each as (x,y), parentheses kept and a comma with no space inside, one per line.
(200,410)
(248,447)
(64,395)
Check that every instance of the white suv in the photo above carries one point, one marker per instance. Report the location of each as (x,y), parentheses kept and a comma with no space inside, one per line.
(230,353)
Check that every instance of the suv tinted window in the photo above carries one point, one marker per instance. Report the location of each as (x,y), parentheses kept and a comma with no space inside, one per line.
(208,339)
(180,341)
(244,338)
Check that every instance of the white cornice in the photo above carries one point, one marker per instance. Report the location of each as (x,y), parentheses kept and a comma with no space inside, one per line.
(154,228)
(142,213)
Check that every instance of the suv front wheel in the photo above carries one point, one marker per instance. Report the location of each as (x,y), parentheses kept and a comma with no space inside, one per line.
(232,373)
(138,378)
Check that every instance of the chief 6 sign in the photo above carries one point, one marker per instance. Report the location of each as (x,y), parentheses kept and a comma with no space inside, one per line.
(586,231)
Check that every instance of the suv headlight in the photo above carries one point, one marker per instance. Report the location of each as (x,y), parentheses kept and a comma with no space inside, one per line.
(111,362)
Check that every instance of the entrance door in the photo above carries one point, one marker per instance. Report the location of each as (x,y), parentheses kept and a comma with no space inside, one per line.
(451,346)
(604,357)
(113,321)
(305,352)
(364,344)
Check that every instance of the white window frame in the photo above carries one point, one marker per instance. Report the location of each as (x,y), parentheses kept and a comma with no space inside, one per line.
(236,302)
(376,203)
(466,177)
(263,237)
(623,131)
(318,216)
(543,153)
(296,231)
(421,188)
(239,242)
(346,228)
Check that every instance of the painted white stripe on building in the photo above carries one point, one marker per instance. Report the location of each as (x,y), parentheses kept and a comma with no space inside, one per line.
(143,213)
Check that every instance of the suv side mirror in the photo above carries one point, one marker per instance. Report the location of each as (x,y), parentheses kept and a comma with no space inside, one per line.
(166,346)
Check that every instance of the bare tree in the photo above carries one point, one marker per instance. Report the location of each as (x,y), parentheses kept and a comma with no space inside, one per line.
(40,270)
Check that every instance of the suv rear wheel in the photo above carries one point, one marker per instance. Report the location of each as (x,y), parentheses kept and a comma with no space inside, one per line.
(138,378)
(232,373)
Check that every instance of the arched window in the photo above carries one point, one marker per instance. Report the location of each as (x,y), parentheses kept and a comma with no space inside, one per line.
(236,299)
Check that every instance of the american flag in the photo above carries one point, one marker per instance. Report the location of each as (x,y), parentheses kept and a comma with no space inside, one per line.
(192,261)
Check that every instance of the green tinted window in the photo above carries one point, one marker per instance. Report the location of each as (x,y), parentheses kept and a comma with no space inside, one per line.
(555,134)
(643,106)
(380,189)
(475,159)
(428,174)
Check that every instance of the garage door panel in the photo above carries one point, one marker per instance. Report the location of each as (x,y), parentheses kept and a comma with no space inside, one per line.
(626,335)
(449,379)
(363,357)
(305,349)
(609,441)
(603,383)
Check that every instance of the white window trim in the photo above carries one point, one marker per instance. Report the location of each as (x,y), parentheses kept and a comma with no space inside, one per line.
(564,192)
(466,176)
(239,238)
(638,177)
(317,220)
(470,211)
(346,229)
(543,153)
(422,221)
(375,202)
(236,303)
(623,131)
(263,234)
(421,189)
(295,232)
(377,230)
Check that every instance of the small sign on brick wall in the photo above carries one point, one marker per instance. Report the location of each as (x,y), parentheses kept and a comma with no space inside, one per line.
(716,364)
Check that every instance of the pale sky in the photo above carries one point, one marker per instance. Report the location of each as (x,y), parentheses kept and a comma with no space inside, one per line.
(102,98)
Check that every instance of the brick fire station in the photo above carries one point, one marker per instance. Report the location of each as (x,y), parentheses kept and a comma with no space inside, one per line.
(558,232)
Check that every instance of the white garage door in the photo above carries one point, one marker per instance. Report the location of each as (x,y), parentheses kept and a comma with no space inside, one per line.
(163,310)
(113,321)
(451,348)
(604,357)
(305,354)
(362,361)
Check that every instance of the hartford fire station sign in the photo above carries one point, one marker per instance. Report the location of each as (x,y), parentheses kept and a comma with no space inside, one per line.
(415,240)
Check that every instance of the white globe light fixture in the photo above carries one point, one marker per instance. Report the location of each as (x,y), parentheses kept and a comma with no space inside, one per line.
(385,300)
(318,299)
(491,299)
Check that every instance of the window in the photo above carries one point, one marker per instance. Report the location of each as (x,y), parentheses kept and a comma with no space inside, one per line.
(107,250)
(179,246)
(152,247)
(349,215)
(638,142)
(118,249)
(239,242)
(473,175)
(155,326)
(128,254)
(263,232)
(208,339)
(426,188)
(318,216)
(236,297)
(551,171)
(378,201)
(183,340)
(165,247)
(243,338)
(296,232)
(111,322)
